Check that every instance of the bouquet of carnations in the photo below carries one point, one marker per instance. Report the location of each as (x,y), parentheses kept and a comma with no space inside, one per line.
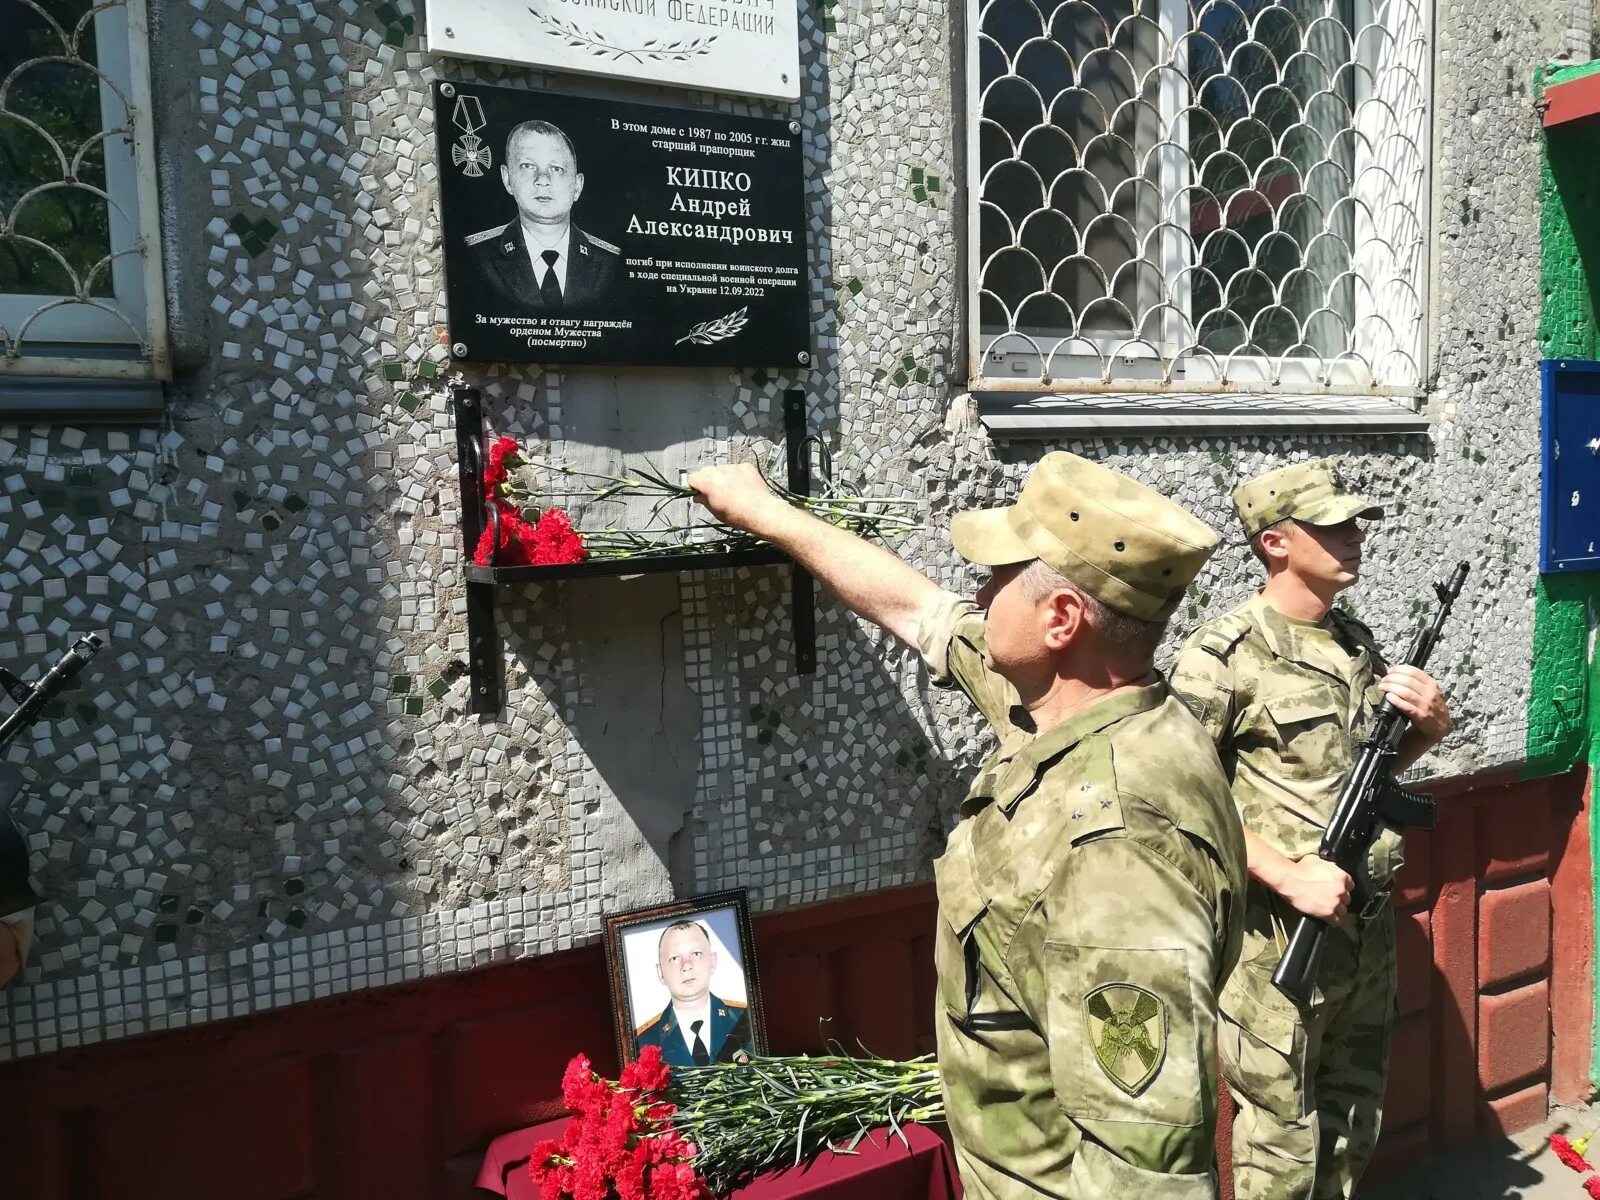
(522,529)
(702,1132)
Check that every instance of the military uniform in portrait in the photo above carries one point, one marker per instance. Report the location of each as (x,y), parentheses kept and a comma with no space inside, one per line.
(729,1035)
(501,260)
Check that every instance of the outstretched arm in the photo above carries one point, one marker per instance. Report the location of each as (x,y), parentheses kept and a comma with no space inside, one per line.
(867,579)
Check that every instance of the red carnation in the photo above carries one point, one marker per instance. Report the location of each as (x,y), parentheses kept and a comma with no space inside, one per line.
(1592,1186)
(647,1073)
(1569,1154)
(582,1090)
(620,1143)
(554,541)
(503,455)
(517,539)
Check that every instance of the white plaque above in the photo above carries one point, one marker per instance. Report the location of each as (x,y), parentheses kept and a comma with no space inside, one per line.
(748,46)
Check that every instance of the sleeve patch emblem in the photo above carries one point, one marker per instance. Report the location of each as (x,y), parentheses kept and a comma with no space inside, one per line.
(1128,1034)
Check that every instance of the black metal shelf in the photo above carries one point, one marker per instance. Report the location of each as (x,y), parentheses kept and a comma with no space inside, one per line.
(628,566)
(485,649)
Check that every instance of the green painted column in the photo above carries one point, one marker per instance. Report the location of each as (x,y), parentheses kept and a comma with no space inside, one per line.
(1563,720)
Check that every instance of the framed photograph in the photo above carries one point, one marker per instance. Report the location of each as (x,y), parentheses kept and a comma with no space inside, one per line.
(683,977)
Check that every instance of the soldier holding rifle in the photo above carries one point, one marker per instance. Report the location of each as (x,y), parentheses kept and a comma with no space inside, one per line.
(1285,684)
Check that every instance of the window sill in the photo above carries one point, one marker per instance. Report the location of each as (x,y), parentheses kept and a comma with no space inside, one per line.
(1009,415)
(49,401)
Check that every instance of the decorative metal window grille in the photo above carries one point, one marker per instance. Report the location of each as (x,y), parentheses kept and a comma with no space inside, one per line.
(80,259)
(1206,196)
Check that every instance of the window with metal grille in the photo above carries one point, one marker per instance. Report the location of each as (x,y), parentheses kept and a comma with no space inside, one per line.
(1218,196)
(80,262)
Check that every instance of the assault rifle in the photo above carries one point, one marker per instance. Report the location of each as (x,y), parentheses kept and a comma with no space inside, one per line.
(31,698)
(1370,796)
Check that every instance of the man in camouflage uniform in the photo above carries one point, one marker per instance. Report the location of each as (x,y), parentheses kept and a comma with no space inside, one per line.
(1286,684)
(1089,897)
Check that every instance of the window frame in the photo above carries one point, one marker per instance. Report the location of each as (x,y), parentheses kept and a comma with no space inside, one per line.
(93,343)
(1137,401)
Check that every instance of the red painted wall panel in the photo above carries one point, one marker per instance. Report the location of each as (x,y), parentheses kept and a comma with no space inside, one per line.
(1572,940)
(247,1134)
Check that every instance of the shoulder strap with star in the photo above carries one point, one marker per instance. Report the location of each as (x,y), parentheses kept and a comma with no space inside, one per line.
(1092,804)
(484,235)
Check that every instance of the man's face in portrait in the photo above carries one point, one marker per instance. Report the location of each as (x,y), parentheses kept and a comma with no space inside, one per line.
(542,177)
(686,964)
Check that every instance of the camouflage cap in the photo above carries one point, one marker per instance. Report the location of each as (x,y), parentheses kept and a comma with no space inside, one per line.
(1126,545)
(1309,492)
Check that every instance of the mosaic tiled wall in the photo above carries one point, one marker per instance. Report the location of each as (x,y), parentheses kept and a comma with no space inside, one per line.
(268,787)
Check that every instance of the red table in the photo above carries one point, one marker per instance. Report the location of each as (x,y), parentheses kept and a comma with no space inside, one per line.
(882,1168)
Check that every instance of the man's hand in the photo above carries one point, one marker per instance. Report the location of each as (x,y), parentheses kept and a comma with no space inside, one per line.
(1415,693)
(736,495)
(867,579)
(1316,887)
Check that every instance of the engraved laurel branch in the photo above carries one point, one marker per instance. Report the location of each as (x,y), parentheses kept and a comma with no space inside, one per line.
(580,38)
(719,330)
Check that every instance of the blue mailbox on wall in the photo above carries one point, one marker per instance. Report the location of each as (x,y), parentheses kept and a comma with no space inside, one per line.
(1570,499)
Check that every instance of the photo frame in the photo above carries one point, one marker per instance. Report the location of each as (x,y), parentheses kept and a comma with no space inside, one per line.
(683,976)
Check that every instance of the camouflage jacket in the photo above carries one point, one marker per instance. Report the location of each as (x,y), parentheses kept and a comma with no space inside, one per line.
(1285,702)
(1090,903)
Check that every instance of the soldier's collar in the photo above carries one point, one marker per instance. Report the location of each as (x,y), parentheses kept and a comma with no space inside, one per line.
(1100,715)
(1282,633)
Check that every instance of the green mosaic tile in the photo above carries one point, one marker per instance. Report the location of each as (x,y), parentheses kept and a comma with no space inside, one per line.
(80,477)
(166,933)
(400,684)
(414,706)
(922,375)
(908,361)
(167,904)
(53,497)
(427,369)
(916,174)
(933,183)
(855,287)
(194,916)
(438,688)
(294,504)
(393,371)
(901,378)
(240,501)
(759,378)
(919,194)
(387,13)
(409,402)
(828,25)
(294,887)
(270,522)
(86,506)
(296,918)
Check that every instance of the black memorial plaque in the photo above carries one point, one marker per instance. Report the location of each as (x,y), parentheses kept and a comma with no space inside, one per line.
(588,231)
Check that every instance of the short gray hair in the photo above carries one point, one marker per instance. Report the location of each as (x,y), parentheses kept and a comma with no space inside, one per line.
(543,129)
(1124,638)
